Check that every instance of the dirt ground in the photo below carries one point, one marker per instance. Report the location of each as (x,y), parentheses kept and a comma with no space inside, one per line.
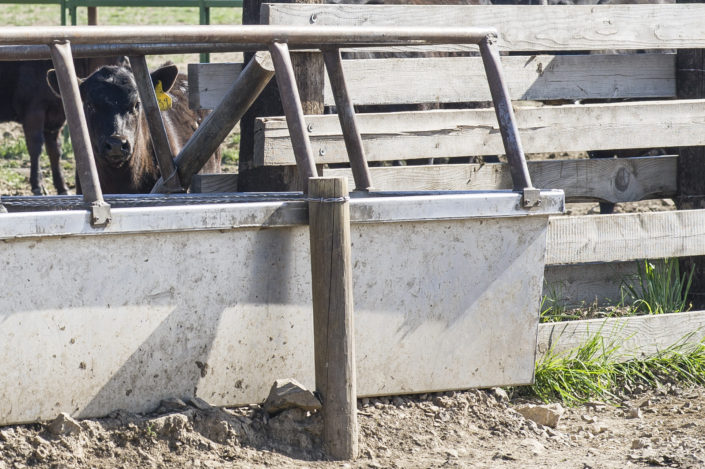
(478,428)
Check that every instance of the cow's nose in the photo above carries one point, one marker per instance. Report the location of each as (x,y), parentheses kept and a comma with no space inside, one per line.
(117,145)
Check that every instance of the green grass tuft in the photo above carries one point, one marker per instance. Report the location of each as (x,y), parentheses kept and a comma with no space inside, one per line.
(593,371)
(658,288)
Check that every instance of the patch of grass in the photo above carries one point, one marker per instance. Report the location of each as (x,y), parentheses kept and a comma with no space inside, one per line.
(658,288)
(553,308)
(12,148)
(230,153)
(592,371)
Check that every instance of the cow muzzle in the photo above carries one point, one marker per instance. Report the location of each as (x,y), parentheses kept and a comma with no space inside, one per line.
(116,148)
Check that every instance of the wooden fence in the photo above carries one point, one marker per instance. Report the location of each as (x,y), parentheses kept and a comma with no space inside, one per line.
(650,105)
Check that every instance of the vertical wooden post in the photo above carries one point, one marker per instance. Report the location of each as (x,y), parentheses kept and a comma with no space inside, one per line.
(309,74)
(690,84)
(334,345)
(92,16)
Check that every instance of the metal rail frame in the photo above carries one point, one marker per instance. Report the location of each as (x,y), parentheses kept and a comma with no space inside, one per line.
(25,43)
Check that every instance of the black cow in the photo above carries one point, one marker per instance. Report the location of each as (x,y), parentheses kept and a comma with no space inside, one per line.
(118,128)
(26,98)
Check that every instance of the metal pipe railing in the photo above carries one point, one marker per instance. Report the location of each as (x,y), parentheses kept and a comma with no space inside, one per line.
(136,41)
(262,35)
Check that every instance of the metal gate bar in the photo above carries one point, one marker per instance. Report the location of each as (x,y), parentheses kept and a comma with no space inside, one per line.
(277,39)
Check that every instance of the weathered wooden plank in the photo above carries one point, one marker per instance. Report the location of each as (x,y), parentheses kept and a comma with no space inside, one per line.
(623,237)
(208,83)
(542,77)
(525,28)
(205,183)
(429,134)
(637,336)
(610,180)
(587,284)
(462,79)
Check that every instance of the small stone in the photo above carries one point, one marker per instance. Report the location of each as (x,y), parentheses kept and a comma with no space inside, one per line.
(173,404)
(588,418)
(533,445)
(398,401)
(639,444)
(644,404)
(289,394)
(63,425)
(199,403)
(365,402)
(597,428)
(633,413)
(546,415)
(451,453)
(500,394)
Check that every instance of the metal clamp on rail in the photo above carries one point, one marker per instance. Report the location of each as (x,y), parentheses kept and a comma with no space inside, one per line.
(531,197)
(100,214)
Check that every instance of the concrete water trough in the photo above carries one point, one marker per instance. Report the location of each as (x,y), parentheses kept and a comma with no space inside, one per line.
(214,300)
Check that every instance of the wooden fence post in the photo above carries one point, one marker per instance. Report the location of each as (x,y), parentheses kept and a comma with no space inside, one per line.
(333,331)
(309,73)
(690,84)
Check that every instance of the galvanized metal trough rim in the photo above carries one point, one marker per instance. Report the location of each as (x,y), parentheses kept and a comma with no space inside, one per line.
(293,210)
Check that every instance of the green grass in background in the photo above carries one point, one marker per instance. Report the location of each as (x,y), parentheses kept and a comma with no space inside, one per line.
(14,160)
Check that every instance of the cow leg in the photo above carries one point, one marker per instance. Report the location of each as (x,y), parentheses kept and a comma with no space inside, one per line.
(32,126)
(52,141)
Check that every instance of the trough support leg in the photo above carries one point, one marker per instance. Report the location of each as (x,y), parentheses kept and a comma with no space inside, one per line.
(333,331)
(518,168)
(291,101)
(348,121)
(81,140)
(222,120)
(160,141)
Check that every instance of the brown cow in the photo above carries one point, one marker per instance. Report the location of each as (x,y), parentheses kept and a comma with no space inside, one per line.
(118,128)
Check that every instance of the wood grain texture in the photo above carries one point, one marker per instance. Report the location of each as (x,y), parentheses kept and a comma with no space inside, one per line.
(609,180)
(587,284)
(462,79)
(333,327)
(205,183)
(526,28)
(431,134)
(638,336)
(208,83)
(623,237)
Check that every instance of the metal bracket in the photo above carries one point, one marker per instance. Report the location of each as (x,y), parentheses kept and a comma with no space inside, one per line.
(100,214)
(531,197)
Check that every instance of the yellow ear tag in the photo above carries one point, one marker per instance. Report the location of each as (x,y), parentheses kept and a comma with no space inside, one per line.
(163,99)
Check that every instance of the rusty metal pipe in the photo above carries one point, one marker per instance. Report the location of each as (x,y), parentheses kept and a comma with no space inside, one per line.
(255,34)
(160,141)
(505,115)
(73,108)
(291,102)
(348,121)
(222,120)
(36,52)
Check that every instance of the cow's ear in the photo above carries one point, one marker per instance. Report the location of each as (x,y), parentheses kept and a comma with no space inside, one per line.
(167,75)
(53,82)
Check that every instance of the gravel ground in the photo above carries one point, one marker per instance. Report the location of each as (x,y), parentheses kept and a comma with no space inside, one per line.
(477,428)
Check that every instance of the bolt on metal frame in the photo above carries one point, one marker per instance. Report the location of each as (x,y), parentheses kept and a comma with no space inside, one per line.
(30,43)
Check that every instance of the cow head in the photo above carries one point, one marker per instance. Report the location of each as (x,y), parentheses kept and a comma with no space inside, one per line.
(113,110)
